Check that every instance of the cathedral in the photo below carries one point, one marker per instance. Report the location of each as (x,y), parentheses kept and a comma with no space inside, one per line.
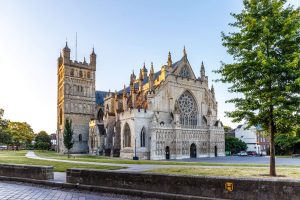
(165,114)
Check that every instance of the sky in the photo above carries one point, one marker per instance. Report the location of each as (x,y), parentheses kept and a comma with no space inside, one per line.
(124,33)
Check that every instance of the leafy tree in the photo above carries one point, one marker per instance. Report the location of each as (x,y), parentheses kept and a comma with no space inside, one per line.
(21,133)
(227,129)
(234,145)
(285,144)
(265,70)
(68,135)
(42,141)
(5,137)
(3,122)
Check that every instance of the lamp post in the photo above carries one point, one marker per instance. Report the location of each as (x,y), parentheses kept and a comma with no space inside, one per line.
(135,157)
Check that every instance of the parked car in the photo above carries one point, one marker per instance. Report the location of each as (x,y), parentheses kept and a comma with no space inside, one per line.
(252,153)
(243,153)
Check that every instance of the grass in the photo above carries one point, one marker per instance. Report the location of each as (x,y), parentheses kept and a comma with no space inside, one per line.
(102,159)
(260,172)
(18,157)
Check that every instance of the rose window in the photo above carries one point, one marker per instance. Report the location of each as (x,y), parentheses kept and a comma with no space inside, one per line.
(188,109)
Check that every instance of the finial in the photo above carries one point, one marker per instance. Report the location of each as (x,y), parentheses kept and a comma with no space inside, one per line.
(141,75)
(169,59)
(84,61)
(93,51)
(184,51)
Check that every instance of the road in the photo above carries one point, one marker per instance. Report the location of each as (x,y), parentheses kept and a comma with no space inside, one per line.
(23,191)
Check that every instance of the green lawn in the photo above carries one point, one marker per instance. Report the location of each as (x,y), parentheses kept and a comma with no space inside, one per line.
(87,158)
(254,172)
(18,157)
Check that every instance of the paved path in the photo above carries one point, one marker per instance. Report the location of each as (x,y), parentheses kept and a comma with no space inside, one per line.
(23,191)
(130,167)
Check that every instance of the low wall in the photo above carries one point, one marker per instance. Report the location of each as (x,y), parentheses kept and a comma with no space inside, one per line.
(197,186)
(27,171)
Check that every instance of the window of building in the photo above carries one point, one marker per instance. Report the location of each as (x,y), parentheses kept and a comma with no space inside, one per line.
(143,137)
(72,72)
(188,109)
(127,136)
(80,74)
(184,72)
(88,74)
(80,138)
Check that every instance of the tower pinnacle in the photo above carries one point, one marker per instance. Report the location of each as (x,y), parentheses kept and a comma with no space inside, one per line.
(169,59)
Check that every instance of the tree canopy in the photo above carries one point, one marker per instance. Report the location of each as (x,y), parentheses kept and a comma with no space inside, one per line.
(21,133)
(266,67)
(234,145)
(42,141)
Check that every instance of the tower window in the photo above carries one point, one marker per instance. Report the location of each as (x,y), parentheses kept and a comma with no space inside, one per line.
(143,136)
(80,138)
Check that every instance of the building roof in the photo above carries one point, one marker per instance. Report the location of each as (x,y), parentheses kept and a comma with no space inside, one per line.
(100,97)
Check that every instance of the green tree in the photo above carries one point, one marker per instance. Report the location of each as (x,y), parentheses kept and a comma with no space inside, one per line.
(5,137)
(42,141)
(68,135)
(21,133)
(234,145)
(266,51)
(285,144)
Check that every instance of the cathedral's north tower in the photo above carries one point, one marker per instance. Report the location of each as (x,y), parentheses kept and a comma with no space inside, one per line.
(75,98)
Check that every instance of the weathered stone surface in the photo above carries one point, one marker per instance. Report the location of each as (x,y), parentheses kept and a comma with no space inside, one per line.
(212,187)
(27,171)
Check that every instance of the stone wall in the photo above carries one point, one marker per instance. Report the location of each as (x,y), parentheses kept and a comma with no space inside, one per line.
(27,171)
(198,186)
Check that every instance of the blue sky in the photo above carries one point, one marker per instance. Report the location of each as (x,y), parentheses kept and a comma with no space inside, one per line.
(125,33)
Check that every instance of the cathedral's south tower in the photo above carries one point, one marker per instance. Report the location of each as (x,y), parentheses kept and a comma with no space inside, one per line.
(75,98)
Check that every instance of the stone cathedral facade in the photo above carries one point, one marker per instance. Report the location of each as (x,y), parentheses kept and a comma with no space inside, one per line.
(167,114)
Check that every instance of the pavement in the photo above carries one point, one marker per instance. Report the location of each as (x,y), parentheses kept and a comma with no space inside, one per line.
(25,191)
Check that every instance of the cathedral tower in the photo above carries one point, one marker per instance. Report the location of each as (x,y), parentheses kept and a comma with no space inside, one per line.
(75,98)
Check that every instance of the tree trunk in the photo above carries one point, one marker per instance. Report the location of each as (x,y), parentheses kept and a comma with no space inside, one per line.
(68,153)
(272,143)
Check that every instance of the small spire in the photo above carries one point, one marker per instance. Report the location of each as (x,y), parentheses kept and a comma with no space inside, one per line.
(152,68)
(93,51)
(169,60)
(84,60)
(66,47)
(141,75)
(184,52)
(202,71)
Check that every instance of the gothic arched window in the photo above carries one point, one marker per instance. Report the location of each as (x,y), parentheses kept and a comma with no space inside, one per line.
(72,72)
(143,138)
(188,109)
(127,136)
(80,138)
(184,72)
(80,74)
(100,115)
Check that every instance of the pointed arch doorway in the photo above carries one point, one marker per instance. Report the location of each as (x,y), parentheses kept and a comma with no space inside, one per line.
(193,151)
(167,152)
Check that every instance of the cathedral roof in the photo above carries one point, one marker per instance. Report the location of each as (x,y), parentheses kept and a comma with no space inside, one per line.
(100,97)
